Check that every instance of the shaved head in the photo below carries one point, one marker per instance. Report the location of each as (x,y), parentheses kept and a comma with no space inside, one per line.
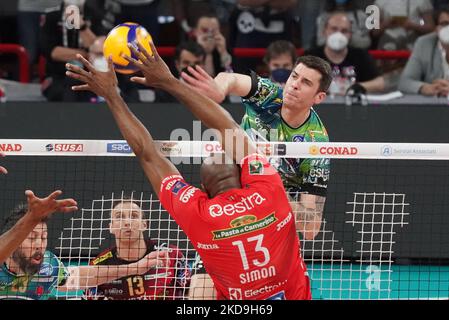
(219,174)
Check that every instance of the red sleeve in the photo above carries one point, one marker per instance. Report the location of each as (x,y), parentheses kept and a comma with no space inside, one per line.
(182,200)
(256,169)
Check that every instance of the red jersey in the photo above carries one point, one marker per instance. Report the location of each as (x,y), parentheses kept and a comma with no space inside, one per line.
(156,283)
(246,237)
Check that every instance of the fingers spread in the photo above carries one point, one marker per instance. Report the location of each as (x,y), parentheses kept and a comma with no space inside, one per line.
(154,51)
(86,63)
(144,52)
(132,61)
(55,194)
(68,209)
(77,76)
(138,53)
(76,69)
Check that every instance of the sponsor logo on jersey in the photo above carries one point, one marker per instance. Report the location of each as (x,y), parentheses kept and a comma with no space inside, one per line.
(8,147)
(102,258)
(264,289)
(235,294)
(258,274)
(282,224)
(46,269)
(64,147)
(298,138)
(247,203)
(256,167)
(178,186)
(241,221)
(187,194)
(244,229)
(207,246)
(118,147)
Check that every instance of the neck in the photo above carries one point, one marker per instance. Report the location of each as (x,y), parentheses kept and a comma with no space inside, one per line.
(335,57)
(294,117)
(131,251)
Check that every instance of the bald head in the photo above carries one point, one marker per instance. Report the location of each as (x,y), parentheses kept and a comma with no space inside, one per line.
(219,174)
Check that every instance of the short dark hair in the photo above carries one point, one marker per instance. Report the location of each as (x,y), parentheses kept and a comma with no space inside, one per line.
(193,47)
(441,10)
(276,48)
(320,65)
(16,214)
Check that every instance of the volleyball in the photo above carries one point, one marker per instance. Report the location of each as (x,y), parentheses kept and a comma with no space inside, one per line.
(116,45)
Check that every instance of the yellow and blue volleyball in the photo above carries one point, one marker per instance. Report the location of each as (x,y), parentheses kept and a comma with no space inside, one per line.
(116,45)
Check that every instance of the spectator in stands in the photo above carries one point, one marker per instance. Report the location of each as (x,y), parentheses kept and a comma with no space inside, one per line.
(128,224)
(60,44)
(143,12)
(29,16)
(427,70)
(256,24)
(29,271)
(188,53)
(402,21)
(361,37)
(207,34)
(351,66)
(280,58)
(307,13)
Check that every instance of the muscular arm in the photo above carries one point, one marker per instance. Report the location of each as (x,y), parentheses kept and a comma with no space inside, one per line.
(84,277)
(154,164)
(309,214)
(232,138)
(12,239)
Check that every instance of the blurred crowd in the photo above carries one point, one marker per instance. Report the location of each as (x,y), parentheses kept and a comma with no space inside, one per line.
(206,33)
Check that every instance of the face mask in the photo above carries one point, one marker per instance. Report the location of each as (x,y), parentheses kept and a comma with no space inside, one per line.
(337,41)
(100,64)
(443,35)
(280,75)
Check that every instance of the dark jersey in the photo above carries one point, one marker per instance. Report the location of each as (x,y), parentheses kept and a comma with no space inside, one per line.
(156,283)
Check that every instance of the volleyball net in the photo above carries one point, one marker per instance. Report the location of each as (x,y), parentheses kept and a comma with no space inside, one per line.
(384,235)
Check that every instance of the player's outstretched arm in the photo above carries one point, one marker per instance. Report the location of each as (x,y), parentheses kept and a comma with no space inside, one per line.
(84,277)
(233,139)
(38,209)
(104,84)
(217,89)
(3,169)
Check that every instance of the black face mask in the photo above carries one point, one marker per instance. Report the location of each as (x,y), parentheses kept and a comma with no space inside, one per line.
(280,75)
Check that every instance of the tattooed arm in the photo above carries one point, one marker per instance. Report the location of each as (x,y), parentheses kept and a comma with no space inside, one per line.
(308,214)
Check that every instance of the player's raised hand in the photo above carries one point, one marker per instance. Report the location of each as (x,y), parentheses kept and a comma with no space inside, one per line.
(152,260)
(3,169)
(41,208)
(103,84)
(155,70)
(202,82)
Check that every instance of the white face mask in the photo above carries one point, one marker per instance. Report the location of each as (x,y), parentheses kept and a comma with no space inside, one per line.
(443,35)
(101,64)
(337,41)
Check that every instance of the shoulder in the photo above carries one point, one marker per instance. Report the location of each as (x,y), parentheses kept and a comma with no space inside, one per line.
(103,256)
(426,42)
